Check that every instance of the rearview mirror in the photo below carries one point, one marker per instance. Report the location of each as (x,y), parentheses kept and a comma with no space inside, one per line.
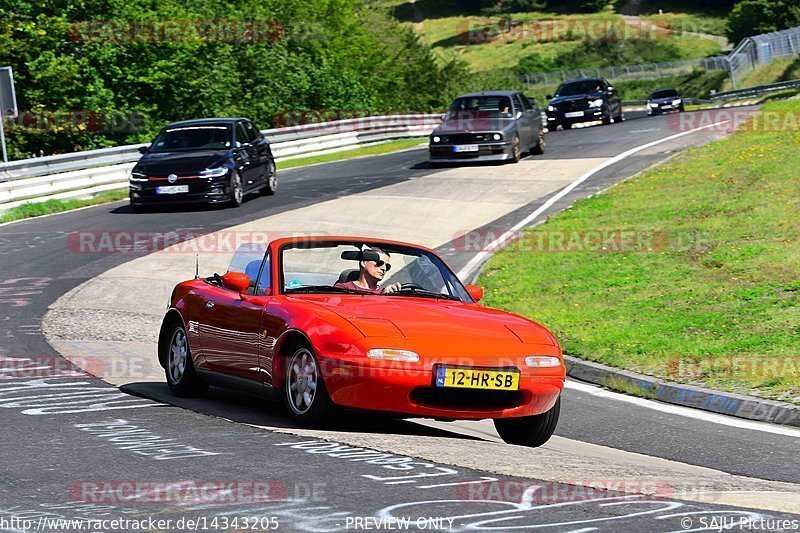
(475,292)
(549,96)
(236,281)
(143,149)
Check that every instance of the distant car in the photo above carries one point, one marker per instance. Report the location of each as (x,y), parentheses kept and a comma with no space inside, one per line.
(488,126)
(583,100)
(665,101)
(213,160)
(288,321)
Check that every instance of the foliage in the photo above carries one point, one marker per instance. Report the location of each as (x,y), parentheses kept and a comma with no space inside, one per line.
(101,72)
(753,17)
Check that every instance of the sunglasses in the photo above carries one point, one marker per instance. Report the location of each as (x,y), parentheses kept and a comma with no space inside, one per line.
(379,263)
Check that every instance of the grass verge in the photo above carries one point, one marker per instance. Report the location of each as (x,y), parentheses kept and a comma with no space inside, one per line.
(37,209)
(712,300)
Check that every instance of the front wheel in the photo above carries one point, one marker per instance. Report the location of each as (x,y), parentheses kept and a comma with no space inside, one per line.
(181,376)
(530,431)
(305,395)
(607,119)
(539,148)
(237,190)
(272,179)
(516,150)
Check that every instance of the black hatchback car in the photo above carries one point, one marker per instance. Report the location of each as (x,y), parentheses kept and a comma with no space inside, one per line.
(664,101)
(214,160)
(584,100)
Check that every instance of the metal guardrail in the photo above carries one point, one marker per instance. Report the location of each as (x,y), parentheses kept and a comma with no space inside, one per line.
(92,171)
(758,90)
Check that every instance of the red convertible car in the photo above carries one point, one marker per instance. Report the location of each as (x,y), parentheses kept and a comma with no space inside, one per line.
(321,323)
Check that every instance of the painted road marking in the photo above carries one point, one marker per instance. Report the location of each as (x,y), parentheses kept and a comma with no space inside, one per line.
(482,256)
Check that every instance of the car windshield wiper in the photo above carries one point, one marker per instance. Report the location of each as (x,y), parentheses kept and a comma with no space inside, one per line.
(427,294)
(322,288)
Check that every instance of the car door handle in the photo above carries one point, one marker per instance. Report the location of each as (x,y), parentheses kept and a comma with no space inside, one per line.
(210,305)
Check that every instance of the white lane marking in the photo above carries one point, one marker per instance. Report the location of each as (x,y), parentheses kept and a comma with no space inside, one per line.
(684,411)
(473,263)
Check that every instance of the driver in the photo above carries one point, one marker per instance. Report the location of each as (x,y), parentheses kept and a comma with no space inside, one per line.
(370,273)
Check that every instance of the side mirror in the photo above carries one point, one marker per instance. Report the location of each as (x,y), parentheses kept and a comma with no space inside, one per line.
(143,149)
(236,281)
(519,114)
(476,292)
(549,96)
(610,90)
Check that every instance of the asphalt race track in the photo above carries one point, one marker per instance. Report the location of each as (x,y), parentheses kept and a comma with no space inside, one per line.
(77,447)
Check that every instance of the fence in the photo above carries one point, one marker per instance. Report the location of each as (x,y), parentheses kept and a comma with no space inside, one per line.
(92,171)
(628,72)
(761,50)
(751,52)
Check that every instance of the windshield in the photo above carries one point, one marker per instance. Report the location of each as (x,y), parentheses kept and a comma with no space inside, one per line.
(193,138)
(580,87)
(335,267)
(666,93)
(481,106)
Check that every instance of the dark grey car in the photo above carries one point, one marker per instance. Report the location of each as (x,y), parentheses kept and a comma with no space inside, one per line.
(488,126)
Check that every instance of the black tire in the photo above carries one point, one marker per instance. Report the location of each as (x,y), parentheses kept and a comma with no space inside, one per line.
(516,150)
(539,148)
(182,381)
(682,109)
(272,179)
(530,431)
(607,119)
(308,406)
(620,117)
(236,195)
(567,126)
(138,209)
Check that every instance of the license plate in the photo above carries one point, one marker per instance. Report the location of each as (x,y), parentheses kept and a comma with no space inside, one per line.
(574,114)
(475,378)
(466,148)
(172,189)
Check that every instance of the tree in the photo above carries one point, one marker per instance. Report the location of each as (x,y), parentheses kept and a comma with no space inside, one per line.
(753,17)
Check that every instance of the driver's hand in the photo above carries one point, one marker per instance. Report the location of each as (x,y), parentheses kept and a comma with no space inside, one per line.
(389,289)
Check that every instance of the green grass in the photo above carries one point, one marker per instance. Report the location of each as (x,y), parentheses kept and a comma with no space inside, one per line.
(37,209)
(378,149)
(780,69)
(550,38)
(720,284)
(689,22)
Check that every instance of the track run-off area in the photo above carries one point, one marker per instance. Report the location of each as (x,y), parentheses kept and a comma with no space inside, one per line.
(82,447)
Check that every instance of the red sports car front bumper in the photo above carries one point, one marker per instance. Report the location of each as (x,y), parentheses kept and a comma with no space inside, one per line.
(410,390)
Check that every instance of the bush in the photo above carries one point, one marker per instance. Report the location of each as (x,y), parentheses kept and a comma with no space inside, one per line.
(753,17)
(85,58)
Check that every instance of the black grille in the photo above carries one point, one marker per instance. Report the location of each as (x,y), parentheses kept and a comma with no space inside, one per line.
(466,398)
(468,138)
(576,105)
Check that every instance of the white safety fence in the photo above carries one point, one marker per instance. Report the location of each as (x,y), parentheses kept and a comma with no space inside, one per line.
(85,173)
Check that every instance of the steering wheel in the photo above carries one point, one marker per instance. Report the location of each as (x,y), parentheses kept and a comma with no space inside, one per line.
(404,286)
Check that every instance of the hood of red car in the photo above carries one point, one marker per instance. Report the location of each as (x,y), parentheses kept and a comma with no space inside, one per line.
(420,317)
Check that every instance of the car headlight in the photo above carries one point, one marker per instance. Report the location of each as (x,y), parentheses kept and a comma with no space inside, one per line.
(596,103)
(437,139)
(214,172)
(551,108)
(388,354)
(138,177)
(497,137)
(653,104)
(676,102)
(542,361)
